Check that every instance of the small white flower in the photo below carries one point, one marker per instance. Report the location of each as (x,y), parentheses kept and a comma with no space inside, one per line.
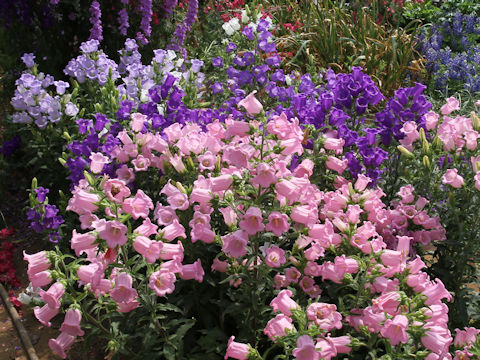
(179,62)
(245,18)
(144,96)
(161,109)
(24,298)
(171,54)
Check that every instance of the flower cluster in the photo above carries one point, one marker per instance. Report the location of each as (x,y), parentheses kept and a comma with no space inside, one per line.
(44,217)
(453,54)
(93,65)
(8,274)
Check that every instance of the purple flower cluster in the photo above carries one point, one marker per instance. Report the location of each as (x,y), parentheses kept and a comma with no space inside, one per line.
(123,24)
(95,15)
(407,104)
(145,10)
(168,7)
(181,30)
(44,217)
(453,53)
(92,65)
(33,102)
(98,135)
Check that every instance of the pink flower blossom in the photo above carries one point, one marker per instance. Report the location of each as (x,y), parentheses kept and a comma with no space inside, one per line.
(61,344)
(305,349)
(98,161)
(71,324)
(451,105)
(148,248)
(162,282)
(137,121)
(265,175)
(278,326)
(173,231)
(235,244)
(277,223)
(45,313)
(123,291)
(396,330)
(116,190)
(207,161)
(192,271)
(236,350)
(284,303)
(336,164)
(251,104)
(252,221)
(325,316)
(53,295)
(113,232)
(452,178)
(275,257)
(138,206)
(83,202)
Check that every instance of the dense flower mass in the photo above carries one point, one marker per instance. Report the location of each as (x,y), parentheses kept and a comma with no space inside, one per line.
(227,206)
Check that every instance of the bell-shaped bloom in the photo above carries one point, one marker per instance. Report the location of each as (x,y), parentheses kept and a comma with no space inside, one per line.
(229,216)
(81,242)
(235,244)
(305,349)
(396,330)
(221,183)
(265,175)
(148,248)
(116,190)
(170,251)
(251,104)
(236,350)
(284,303)
(71,324)
(278,326)
(451,105)
(325,316)
(98,161)
(162,282)
(91,273)
(192,271)
(139,206)
(53,295)
(252,221)
(123,291)
(36,262)
(452,178)
(45,313)
(83,202)
(61,344)
(275,256)
(40,279)
(113,232)
(173,231)
(277,223)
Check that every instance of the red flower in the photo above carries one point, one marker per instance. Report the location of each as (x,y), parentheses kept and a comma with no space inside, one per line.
(4,233)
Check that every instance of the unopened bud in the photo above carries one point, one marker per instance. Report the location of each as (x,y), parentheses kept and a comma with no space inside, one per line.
(475,121)
(180,187)
(426,162)
(405,152)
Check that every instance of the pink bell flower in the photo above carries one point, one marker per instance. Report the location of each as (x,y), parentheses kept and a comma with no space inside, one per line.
(284,303)
(236,350)
(162,282)
(192,271)
(148,248)
(81,242)
(123,291)
(61,343)
(235,244)
(251,104)
(45,313)
(278,326)
(53,295)
(452,178)
(277,223)
(305,349)
(252,221)
(71,324)
(113,232)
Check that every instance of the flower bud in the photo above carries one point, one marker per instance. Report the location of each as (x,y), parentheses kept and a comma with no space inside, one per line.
(405,152)
(426,162)
(475,121)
